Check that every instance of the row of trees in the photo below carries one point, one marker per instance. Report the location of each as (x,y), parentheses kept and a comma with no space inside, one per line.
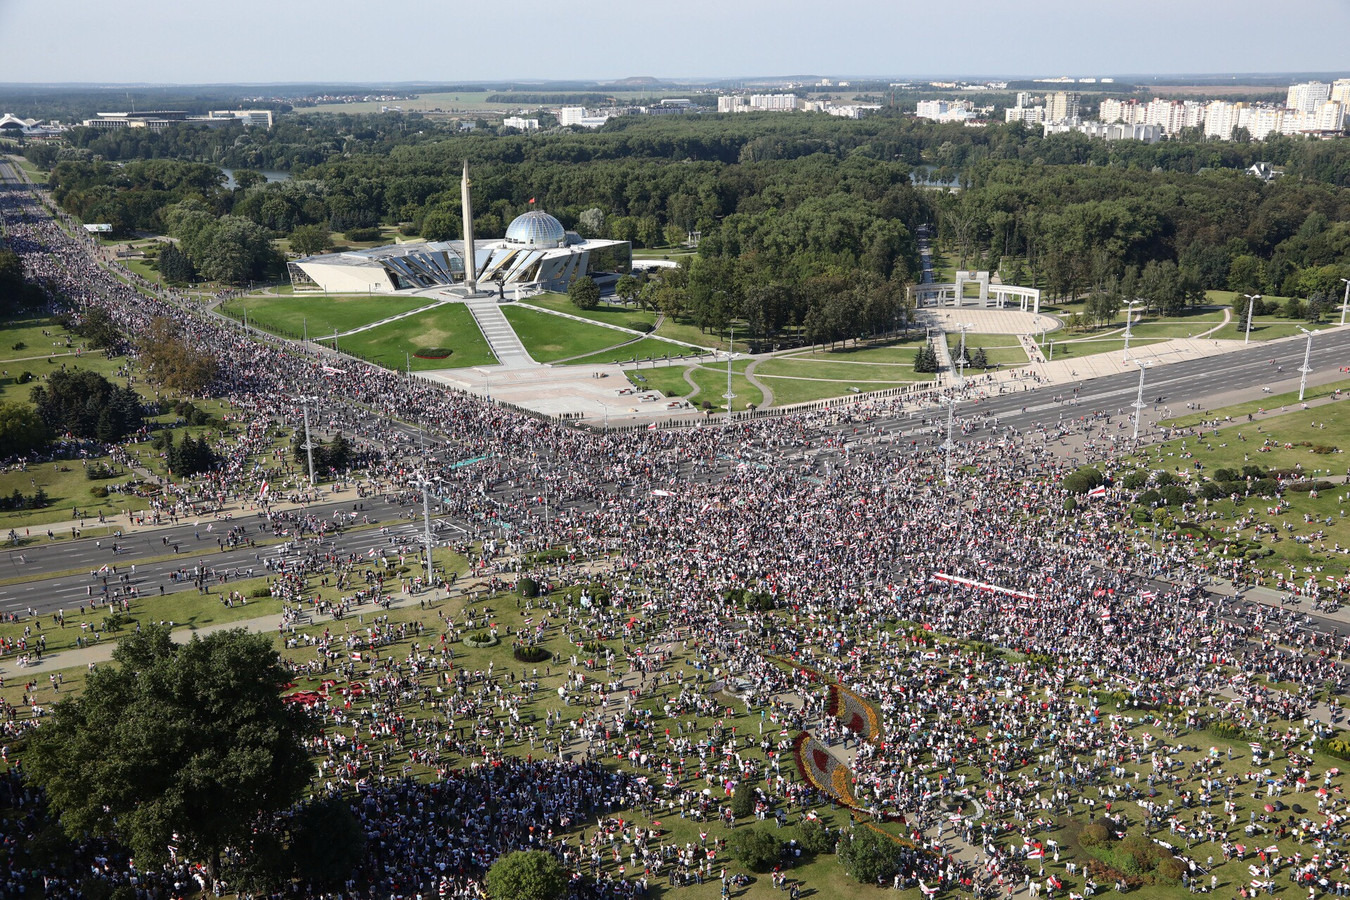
(86,405)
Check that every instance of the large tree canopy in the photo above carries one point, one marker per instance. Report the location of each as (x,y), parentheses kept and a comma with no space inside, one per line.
(180,746)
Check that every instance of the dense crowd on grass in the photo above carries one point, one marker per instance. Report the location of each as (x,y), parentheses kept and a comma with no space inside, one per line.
(1039,684)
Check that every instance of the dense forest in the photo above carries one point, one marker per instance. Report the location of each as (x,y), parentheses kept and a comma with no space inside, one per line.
(798,213)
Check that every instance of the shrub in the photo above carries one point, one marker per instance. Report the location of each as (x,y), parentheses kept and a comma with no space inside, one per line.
(1149,498)
(528,587)
(816,838)
(1334,747)
(534,654)
(25,377)
(1093,835)
(260,593)
(99,491)
(362,235)
(1082,480)
(1070,504)
(98,472)
(1174,495)
(1227,731)
(866,855)
(1170,870)
(1138,853)
(1133,481)
(756,849)
(743,801)
(481,639)
(20,346)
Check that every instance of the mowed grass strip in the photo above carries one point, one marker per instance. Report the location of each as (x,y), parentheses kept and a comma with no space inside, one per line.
(551,338)
(610,313)
(448,327)
(319,315)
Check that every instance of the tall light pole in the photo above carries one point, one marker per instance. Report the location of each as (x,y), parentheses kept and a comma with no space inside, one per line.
(1345,301)
(731,350)
(1251,306)
(1143,364)
(1306,368)
(309,444)
(961,358)
(948,445)
(1129,320)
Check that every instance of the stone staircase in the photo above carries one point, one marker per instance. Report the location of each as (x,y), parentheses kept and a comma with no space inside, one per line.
(501,337)
(938,340)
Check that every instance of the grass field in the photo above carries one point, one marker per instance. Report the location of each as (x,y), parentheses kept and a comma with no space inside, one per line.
(318,315)
(609,313)
(999,349)
(1283,438)
(642,349)
(450,326)
(550,338)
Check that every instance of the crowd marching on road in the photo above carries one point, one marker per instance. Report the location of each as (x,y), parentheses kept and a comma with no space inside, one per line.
(848,528)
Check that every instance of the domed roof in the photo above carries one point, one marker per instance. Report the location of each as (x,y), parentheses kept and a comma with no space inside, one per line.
(536,229)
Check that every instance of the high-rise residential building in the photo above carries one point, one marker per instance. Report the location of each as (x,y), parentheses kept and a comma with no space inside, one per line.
(1340,91)
(1061,106)
(1309,95)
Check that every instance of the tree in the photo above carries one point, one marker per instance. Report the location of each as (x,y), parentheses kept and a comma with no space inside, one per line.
(756,848)
(626,288)
(171,360)
(175,266)
(21,428)
(867,855)
(85,404)
(591,222)
(307,240)
(584,293)
(526,875)
(176,745)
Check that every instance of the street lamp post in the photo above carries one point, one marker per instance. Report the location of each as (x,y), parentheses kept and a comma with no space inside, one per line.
(1345,301)
(309,444)
(1306,368)
(1251,306)
(948,445)
(1129,320)
(731,349)
(961,358)
(1139,399)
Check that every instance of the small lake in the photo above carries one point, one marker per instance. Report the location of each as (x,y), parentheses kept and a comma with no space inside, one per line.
(269,174)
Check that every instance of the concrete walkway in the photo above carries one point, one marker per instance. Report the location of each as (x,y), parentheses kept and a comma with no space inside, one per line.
(501,337)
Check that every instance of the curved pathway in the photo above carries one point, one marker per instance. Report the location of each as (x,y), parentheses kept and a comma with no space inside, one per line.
(689,380)
(755,382)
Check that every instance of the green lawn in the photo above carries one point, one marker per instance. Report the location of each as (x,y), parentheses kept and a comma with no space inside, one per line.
(1265,328)
(712,384)
(642,349)
(998,348)
(551,338)
(1075,348)
(692,334)
(610,313)
(845,373)
(1275,441)
(449,326)
(897,351)
(318,315)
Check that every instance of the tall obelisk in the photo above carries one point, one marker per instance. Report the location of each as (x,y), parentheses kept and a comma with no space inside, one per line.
(470,266)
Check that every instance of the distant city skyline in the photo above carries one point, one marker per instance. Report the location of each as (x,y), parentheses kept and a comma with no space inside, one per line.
(251,41)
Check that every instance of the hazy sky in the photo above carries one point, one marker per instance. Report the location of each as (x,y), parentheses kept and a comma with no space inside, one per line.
(190,41)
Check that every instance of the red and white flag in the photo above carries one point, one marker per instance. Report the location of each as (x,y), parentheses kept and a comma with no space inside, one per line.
(651,426)
(262,492)
(1099,491)
(356,657)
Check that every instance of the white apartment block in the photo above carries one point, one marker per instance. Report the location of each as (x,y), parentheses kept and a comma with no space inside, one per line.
(758,103)
(1340,91)
(1309,95)
(521,123)
(1032,115)
(945,110)
(1061,106)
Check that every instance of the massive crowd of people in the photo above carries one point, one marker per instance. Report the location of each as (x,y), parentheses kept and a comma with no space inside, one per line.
(1054,650)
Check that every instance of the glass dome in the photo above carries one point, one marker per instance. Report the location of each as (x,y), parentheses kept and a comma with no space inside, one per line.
(536,229)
